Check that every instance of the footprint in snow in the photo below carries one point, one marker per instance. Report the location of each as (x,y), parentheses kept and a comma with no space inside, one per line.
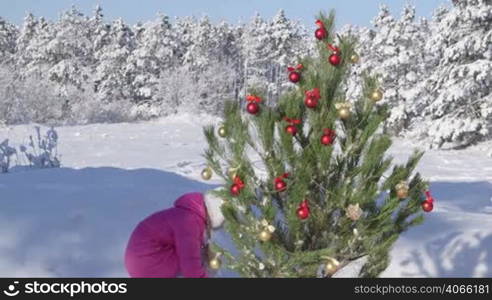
(185,167)
(183,164)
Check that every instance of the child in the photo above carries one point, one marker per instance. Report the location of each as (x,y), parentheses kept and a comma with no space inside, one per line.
(173,242)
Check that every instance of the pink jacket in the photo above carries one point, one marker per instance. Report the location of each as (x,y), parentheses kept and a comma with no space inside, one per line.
(169,242)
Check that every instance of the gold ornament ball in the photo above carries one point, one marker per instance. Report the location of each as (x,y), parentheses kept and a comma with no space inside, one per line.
(344,113)
(215,263)
(402,193)
(354,58)
(207,173)
(265,236)
(222,131)
(331,268)
(376,95)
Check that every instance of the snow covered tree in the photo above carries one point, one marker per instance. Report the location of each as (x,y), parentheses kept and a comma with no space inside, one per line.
(210,55)
(284,49)
(458,102)
(268,49)
(71,58)
(8,37)
(7,83)
(308,185)
(26,36)
(436,75)
(155,51)
(70,52)
(230,60)
(29,99)
(254,45)
(99,32)
(52,68)
(201,51)
(32,46)
(113,74)
(393,50)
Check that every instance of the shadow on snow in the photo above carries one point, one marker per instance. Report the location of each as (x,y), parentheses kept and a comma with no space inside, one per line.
(69,222)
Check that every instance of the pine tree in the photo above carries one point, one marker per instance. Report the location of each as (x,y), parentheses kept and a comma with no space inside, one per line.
(113,73)
(8,36)
(255,52)
(284,49)
(70,53)
(230,59)
(155,51)
(393,50)
(268,49)
(32,46)
(99,31)
(309,189)
(26,37)
(458,90)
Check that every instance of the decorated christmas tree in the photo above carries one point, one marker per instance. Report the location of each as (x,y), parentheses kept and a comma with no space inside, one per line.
(308,185)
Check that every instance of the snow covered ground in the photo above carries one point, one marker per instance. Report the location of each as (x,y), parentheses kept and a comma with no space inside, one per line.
(75,221)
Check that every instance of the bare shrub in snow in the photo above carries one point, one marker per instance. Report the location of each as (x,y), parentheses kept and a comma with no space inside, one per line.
(6,152)
(42,150)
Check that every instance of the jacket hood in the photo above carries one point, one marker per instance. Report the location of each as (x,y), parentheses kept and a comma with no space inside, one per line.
(193,202)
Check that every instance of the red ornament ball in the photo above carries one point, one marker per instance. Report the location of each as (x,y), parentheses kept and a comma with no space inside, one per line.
(320,34)
(427,206)
(291,129)
(294,77)
(253,108)
(326,139)
(335,59)
(235,190)
(303,213)
(311,102)
(280,185)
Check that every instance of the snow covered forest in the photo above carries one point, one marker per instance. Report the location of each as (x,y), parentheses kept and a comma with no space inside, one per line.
(436,73)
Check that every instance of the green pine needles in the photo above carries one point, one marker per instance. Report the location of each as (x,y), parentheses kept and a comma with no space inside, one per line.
(290,193)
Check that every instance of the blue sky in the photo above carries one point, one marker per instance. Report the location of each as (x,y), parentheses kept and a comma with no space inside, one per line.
(358,12)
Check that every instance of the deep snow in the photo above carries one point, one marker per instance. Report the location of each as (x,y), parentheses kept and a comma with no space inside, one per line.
(75,221)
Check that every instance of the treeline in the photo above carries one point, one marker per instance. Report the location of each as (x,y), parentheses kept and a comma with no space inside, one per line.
(436,73)
(83,69)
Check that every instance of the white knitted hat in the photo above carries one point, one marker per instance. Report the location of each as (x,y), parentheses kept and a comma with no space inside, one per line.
(213,205)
